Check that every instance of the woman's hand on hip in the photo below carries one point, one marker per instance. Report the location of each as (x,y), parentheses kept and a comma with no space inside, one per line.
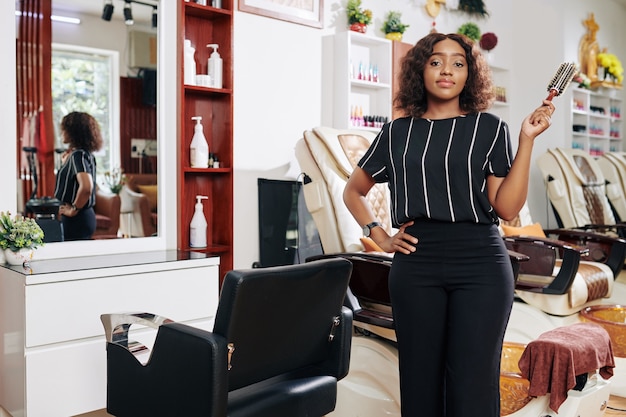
(67,210)
(400,242)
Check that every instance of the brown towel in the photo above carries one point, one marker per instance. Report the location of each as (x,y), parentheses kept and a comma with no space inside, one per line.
(552,361)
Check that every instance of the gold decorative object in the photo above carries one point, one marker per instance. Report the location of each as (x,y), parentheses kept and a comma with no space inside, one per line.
(588,49)
(588,54)
(433,7)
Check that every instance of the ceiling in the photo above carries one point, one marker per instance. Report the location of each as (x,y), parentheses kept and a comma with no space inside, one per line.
(141,13)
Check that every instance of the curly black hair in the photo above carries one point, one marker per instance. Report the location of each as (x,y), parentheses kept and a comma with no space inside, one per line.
(478,93)
(82,131)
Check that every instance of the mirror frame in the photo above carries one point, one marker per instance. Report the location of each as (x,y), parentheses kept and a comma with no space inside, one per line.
(167,116)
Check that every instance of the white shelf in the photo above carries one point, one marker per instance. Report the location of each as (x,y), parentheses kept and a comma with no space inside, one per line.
(501,82)
(598,116)
(353,54)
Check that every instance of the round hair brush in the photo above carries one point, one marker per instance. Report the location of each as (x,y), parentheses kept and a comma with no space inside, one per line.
(563,76)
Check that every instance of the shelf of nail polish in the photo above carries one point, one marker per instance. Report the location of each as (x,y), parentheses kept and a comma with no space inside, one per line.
(596,121)
(358,83)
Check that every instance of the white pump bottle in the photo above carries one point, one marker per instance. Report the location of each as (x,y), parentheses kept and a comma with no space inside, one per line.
(197,227)
(189,64)
(199,149)
(215,66)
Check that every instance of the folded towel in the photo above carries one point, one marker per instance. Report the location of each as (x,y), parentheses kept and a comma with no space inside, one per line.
(552,361)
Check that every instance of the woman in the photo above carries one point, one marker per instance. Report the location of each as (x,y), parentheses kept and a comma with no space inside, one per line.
(76,179)
(450,171)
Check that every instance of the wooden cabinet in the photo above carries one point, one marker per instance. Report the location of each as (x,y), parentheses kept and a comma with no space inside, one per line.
(362,77)
(595,121)
(204,25)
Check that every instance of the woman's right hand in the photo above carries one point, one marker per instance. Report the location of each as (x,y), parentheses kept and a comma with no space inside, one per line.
(401,241)
(67,210)
(538,121)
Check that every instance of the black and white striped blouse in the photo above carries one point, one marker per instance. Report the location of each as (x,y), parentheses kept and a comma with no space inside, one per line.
(438,169)
(66,184)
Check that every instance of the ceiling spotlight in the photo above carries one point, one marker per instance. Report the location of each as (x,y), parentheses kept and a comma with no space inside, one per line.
(107,12)
(154,17)
(128,14)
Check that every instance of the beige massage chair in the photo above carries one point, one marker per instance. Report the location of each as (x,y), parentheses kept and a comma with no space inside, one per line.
(327,156)
(613,167)
(588,193)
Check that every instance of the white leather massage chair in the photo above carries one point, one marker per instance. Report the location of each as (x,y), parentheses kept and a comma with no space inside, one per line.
(327,157)
(613,167)
(587,194)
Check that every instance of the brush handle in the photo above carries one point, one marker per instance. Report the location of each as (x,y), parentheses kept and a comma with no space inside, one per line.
(553,93)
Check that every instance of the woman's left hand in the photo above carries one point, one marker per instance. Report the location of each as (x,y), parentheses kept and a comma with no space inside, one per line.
(539,120)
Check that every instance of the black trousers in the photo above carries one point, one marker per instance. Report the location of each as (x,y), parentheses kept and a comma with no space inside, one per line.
(81,226)
(451,302)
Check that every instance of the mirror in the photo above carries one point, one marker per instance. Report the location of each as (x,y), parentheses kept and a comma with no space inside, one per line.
(128,121)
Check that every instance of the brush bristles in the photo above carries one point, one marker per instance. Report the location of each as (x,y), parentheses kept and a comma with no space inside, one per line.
(564,75)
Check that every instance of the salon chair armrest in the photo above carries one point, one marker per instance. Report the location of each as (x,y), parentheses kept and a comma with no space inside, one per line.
(516,259)
(602,248)
(542,253)
(618,229)
(185,363)
(117,327)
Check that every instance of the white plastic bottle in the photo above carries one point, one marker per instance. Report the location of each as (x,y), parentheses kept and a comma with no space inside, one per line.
(199,149)
(215,66)
(189,64)
(197,227)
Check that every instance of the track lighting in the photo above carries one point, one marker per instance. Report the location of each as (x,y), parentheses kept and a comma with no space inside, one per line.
(128,14)
(107,12)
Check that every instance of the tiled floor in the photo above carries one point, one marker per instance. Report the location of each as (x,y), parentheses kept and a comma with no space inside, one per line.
(616,407)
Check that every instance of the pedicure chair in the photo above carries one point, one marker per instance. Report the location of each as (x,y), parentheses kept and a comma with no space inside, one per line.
(588,194)
(577,190)
(613,167)
(280,342)
(327,156)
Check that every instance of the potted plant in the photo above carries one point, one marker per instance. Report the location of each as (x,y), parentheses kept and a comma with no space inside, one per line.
(393,26)
(115,179)
(19,236)
(358,18)
(474,7)
(612,67)
(471,30)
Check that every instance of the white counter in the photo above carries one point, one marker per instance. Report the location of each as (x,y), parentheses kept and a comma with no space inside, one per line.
(53,352)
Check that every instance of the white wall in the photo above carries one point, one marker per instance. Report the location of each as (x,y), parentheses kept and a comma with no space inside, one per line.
(278,87)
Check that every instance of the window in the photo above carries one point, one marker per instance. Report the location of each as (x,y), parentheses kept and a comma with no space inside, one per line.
(85,79)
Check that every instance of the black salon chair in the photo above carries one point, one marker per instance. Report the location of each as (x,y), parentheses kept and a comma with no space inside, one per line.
(280,343)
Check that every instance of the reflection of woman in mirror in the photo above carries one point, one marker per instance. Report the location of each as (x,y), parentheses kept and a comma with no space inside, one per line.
(76,179)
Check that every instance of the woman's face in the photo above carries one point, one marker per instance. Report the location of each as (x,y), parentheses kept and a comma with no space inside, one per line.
(446,71)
